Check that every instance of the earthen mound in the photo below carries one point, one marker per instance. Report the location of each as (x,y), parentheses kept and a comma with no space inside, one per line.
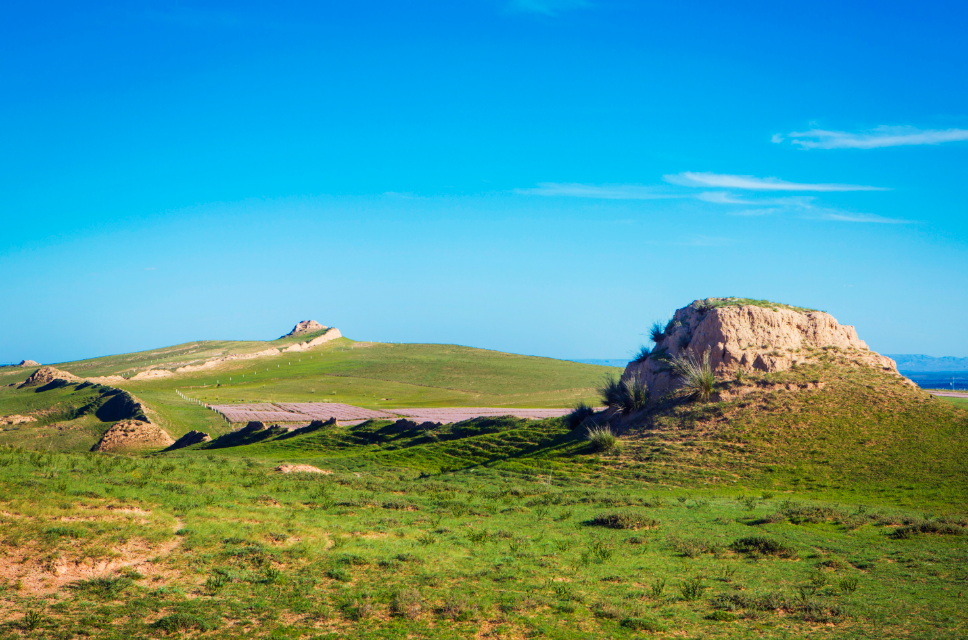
(305,326)
(301,468)
(753,338)
(190,438)
(29,363)
(133,434)
(45,375)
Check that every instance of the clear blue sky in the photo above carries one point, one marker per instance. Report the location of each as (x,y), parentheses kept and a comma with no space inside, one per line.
(538,176)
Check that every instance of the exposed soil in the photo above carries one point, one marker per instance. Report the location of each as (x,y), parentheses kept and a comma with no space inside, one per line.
(301,468)
(133,434)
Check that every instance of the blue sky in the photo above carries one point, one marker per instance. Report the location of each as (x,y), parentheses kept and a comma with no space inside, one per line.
(537,176)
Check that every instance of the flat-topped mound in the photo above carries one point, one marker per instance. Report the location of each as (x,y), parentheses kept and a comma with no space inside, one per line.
(133,434)
(46,375)
(752,336)
(305,326)
(29,363)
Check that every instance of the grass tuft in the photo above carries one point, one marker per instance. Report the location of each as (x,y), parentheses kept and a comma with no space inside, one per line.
(696,375)
(602,439)
(762,546)
(624,395)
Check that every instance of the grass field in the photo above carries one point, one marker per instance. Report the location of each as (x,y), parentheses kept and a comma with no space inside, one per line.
(830,500)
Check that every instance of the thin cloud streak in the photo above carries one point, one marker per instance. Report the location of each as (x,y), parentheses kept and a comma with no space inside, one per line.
(752,183)
(876,138)
(847,216)
(723,197)
(603,192)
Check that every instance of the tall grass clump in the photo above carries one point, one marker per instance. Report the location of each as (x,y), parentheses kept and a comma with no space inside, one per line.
(657,332)
(579,415)
(601,438)
(625,395)
(642,355)
(696,375)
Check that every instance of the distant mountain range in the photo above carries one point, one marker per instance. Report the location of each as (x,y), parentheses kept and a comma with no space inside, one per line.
(915,363)
(613,362)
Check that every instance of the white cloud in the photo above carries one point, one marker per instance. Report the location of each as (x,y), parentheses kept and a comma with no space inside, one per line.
(849,216)
(547,7)
(878,137)
(604,191)
(724,197)
(752,183)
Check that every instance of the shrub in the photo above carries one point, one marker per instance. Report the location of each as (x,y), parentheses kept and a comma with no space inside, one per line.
(459,607)
(762,546)
(625,395)
(602,438)
(657,332)
(692,548)
(624,520)
(579,415)
(696,375)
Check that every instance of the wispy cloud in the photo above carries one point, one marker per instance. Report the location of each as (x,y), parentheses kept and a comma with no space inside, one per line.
(724,197)
(151,268)
(876,138)
(752,183)
(547,7)
(601,191)
(849,216)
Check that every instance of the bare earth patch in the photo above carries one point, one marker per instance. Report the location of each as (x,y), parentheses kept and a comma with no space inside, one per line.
(301,468)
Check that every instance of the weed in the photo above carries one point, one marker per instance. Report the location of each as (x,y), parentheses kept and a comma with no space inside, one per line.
(602,439)
(407,603)
(624,520)
(459,607)
(926,527)
(696,375)
(657,587)
(642,624)
(642,355)
(32,620)
(579,415)
(182,622)
(749,502)
(626,395)
(762,546)
(692,588)
(848,584)
(102,587)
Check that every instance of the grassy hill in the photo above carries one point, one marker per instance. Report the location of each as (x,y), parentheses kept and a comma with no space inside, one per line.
(365,374)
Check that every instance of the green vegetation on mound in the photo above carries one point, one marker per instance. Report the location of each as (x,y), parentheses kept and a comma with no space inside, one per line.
(714,303)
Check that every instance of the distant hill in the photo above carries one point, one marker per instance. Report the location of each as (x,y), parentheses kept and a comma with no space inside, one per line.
(916,363)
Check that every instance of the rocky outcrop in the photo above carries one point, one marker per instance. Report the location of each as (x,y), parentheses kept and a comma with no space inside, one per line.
(748,337)
(304,326)
(29,363)
(46,375)
(16,419)
(133,434)
(190,438)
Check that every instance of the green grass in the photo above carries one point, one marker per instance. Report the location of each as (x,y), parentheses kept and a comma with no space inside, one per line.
(545,542)
(742,302)
(372,375)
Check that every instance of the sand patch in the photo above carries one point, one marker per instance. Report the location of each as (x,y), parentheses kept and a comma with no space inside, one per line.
(301,468)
